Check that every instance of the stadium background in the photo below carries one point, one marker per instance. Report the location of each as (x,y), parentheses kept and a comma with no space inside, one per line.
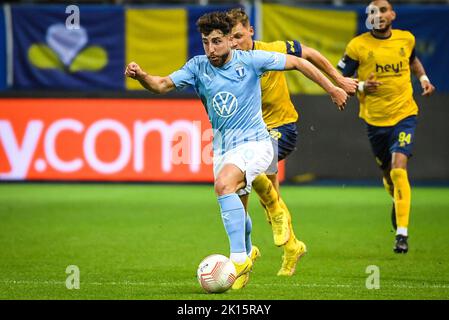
(96,139)
(67,114)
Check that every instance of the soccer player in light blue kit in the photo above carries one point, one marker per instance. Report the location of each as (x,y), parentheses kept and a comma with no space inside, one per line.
(227,81)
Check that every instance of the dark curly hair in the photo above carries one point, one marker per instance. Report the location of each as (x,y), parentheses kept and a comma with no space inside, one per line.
(214,21)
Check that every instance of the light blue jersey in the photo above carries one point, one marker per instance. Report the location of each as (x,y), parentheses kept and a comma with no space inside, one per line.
(231,94)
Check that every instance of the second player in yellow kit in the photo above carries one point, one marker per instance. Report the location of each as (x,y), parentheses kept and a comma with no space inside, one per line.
(385,58)
(280,116)
(277,107)
(389,60)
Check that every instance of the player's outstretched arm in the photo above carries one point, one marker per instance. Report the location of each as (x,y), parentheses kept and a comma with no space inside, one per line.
(152,83)
(418,70)
(346,83)
(338,95)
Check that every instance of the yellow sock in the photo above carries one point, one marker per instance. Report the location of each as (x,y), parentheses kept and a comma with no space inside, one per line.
(389,188)
(402,196)
(267,214)
(290,245)
(267,194)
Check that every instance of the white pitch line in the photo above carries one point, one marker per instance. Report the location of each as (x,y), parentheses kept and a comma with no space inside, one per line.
(303,285)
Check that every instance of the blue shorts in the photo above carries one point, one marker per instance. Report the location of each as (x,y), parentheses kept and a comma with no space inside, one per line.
(386,140)
(285,137)
(284,142)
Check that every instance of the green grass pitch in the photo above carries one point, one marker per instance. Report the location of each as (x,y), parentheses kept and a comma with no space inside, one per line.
(145,242)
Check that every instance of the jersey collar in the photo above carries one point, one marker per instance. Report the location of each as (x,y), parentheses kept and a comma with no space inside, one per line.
(381,38)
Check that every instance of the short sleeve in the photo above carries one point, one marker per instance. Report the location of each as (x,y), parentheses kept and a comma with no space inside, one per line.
(186,75)
(349,64)
(411,39)
(351,50)
(288,47)
(412,55)
(268,61)
(412,47)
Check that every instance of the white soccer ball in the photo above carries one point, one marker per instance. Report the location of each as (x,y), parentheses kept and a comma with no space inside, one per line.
(216,273)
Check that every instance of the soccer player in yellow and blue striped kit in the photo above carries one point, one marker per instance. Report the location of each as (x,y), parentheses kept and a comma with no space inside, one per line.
(383,58)
(280,116)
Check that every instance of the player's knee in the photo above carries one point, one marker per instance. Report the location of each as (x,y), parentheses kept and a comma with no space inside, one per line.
(223,187)
(399,165)
(399,161)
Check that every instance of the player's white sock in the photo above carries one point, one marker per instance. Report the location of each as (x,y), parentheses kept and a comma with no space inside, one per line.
(401,231)
(239,257)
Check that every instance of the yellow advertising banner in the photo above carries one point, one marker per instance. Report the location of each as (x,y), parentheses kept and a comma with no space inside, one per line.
(327,31)
(157,40)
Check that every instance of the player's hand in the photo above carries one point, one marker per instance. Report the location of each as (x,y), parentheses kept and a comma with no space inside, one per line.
(371,84)
(348,84)
(134,71)
(339,97)
(427,87)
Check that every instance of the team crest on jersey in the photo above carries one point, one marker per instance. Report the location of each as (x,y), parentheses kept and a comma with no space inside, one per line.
(370,55)
(225,104)
(240,71)
(402,52)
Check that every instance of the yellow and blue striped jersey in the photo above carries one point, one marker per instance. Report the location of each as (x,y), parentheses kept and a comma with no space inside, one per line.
(277,107)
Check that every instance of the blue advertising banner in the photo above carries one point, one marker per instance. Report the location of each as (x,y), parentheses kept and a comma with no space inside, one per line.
(76,48)
(56,49)
(431,30)
(2,50)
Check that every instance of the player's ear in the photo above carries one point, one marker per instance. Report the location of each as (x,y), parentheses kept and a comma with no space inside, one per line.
(393,14)
(251,31)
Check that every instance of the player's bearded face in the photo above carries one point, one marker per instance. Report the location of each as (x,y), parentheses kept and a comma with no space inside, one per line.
(217,47)
(381,16)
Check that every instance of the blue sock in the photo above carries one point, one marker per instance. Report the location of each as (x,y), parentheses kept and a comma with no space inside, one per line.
(233,215)
(248,229)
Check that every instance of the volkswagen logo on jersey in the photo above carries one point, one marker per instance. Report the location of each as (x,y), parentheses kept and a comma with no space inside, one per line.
(225,104)
(240,71)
